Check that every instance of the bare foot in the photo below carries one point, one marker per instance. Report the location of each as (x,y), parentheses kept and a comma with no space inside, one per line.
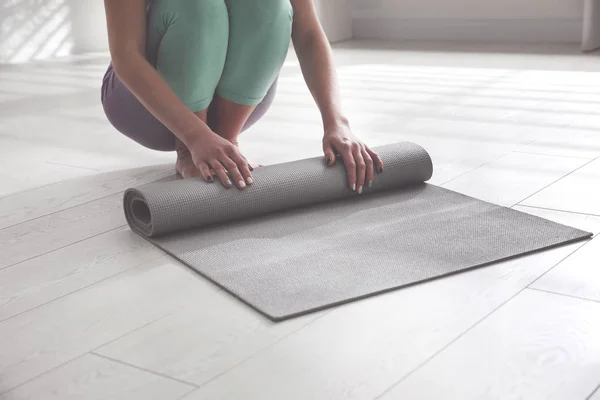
(185,166)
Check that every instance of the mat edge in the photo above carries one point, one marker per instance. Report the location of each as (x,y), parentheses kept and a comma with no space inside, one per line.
(275,318)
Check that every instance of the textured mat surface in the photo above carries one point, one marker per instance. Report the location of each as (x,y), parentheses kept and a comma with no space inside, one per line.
(299,240)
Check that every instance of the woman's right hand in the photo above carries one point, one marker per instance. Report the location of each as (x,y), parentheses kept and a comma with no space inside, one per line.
(212,152)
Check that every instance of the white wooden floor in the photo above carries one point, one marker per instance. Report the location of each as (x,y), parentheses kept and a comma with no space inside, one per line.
(90,311)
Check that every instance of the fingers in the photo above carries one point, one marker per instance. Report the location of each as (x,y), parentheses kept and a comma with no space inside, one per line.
(206,172)
(377,163)
(329,153)
(350,165)
(370,171)
(244,168)
(234,173)
(221,173)
(361,167)
(231,168)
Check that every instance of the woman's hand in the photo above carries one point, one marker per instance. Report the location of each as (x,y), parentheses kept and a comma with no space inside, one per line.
(212,152)
(126,22)
(360,161)
(316,61)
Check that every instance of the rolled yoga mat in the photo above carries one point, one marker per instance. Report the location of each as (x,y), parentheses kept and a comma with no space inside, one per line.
(298,240)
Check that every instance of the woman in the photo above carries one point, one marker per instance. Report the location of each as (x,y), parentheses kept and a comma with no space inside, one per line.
(190,75)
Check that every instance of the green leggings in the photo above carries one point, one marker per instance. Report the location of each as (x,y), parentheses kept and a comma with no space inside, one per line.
(231,48)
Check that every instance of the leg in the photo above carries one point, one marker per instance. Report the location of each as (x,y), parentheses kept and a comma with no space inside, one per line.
(187,44)
(228,118)
(259,38)
(128,116)
(184,165)
(217,114)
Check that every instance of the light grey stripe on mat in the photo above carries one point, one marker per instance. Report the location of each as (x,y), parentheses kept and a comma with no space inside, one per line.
(299,240)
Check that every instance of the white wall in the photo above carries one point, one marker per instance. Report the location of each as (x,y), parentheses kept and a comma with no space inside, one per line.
(336,18)
(88,26)
(38,29)
(501,20)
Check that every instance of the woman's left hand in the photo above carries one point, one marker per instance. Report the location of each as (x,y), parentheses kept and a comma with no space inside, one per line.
(360,161)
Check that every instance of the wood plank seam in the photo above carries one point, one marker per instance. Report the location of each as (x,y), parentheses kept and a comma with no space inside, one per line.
(562,294)
(325,312)
(451,342)
(593,393)
(476,168)
(97,348)
(557,180)
(551,155)
(61,247)
(73,166)
(4,391)
(75,358)
(169,175)
(194,386)
(562,211)
(81,288)
(551,268)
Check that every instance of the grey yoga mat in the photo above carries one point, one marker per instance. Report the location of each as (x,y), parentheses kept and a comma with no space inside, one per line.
(299,240)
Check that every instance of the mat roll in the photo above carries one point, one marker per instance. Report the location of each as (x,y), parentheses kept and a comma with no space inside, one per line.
(299,240)
(167,207)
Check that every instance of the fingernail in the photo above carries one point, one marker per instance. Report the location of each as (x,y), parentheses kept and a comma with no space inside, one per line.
(209,178)
(354,187)
(380,169)
(360,188)
(329,161)
(250,181)
(370,184)
(242,184)
(228,182)
(250,166)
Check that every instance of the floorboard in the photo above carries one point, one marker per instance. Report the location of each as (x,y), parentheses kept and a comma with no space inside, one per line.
(49,199)
(54,333)
(94,378)
(578,276)
(43,279)
(537,346)
(510,179)
(61,229)
(359,350)
(197,344)
(577,193)
(90,310)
